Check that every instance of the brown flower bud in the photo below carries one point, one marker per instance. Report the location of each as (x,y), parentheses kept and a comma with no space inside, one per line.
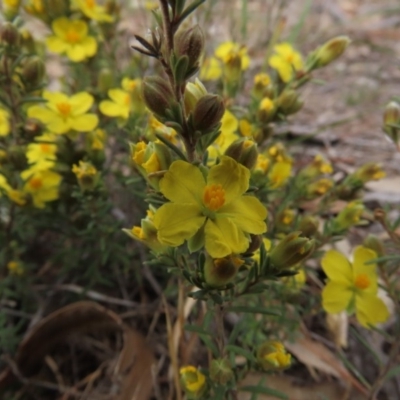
(190,43)
(244,151)
(208,113)
(9,35)
(33,72)
(157,95)
(218,272)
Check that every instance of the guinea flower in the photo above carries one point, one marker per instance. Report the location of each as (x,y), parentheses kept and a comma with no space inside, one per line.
(228,51)
(353,286)
(62,113)
(93,10)
(41,151)
(286,61)
(71,37)
(272,355)
(41,185)
(193,381)
(216,206)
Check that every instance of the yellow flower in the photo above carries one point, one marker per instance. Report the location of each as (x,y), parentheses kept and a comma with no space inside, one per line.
(369,172)
(71,37)
(272,355)
(15,268)
(228,50)
(320,187)
(4,122)
(17,196)
(93,10)
(349,216)
(319,166)
(62,113)
(155,126)
(279,174)
(192,379)
(41,151)
(35,7)
(210,70)
(353,286)
(286,61)
(124,100)
(263,163)
(86,174)
(215,205)
(42,185)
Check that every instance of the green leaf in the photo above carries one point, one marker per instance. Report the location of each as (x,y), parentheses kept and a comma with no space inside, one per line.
(171,146)
(32,99)
(394,372)
(253,310)
(180,69)
(264,390)
(189,9)
(197,329)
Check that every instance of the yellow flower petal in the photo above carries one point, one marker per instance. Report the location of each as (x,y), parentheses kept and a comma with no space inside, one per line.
(247,213)
(177,222)
(112,109)
(183,183)
(84,123)
(336,297)
(60,26)
(76,53)
(337,268)
(222,237)
(370,310)
(81,103)
(42,114)
(362,255)
(232,176)
(56,45)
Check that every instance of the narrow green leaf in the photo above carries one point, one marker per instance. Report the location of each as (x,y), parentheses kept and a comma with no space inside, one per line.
(189,9)
(264,390)
(197,329)
(394,372)
(171,146)
(32,99)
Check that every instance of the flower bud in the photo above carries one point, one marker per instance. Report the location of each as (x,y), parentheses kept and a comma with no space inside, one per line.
(266,110)
(288,102)
(33,72)
(349,216)
(255,244)
(193,93)
(15,268)
(208,113)
(244,151)
(27,40)
(105,80)
(284,219)
(369,172)
(218,272)
(291,250)
(318,188)
(86,174)
(221,371)
(193,381)
(374,243)
(9,35)
(157,95)
(262,84)
(190,43)
(308,226)
(330,51)
(391,118)
(272,356)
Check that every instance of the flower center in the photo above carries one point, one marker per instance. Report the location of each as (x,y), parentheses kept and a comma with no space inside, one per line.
(35,183)
(214,197)
(362,281)
(45,148)
(64,109)
(90,3)
(72,36)
(127,100)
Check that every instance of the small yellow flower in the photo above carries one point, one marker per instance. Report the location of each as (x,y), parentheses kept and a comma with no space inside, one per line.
(262,80)
(320,187)
(349,216)
(155,126)
(93,10)
(62,113)
(369,172)
(216,205)
(192,379)
(124,100)
(4,122)
(279,174)
(17,196)
(71,37)
(15,268)
(319,166)
(86,174)
(42,185)
(263,163)
(41,151)
(353,286)
(229,50)
(272,355)
(97,139)
(286,61)
(35,7)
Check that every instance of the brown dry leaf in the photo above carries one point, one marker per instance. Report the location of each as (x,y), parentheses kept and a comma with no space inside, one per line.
(338,326)
(134,367)
(315,355)
(286,384)
(388,185)
(135,360)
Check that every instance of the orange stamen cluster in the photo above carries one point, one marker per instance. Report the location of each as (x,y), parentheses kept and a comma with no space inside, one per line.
(36,183)
(64,109)
(362,281)
(214,197)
